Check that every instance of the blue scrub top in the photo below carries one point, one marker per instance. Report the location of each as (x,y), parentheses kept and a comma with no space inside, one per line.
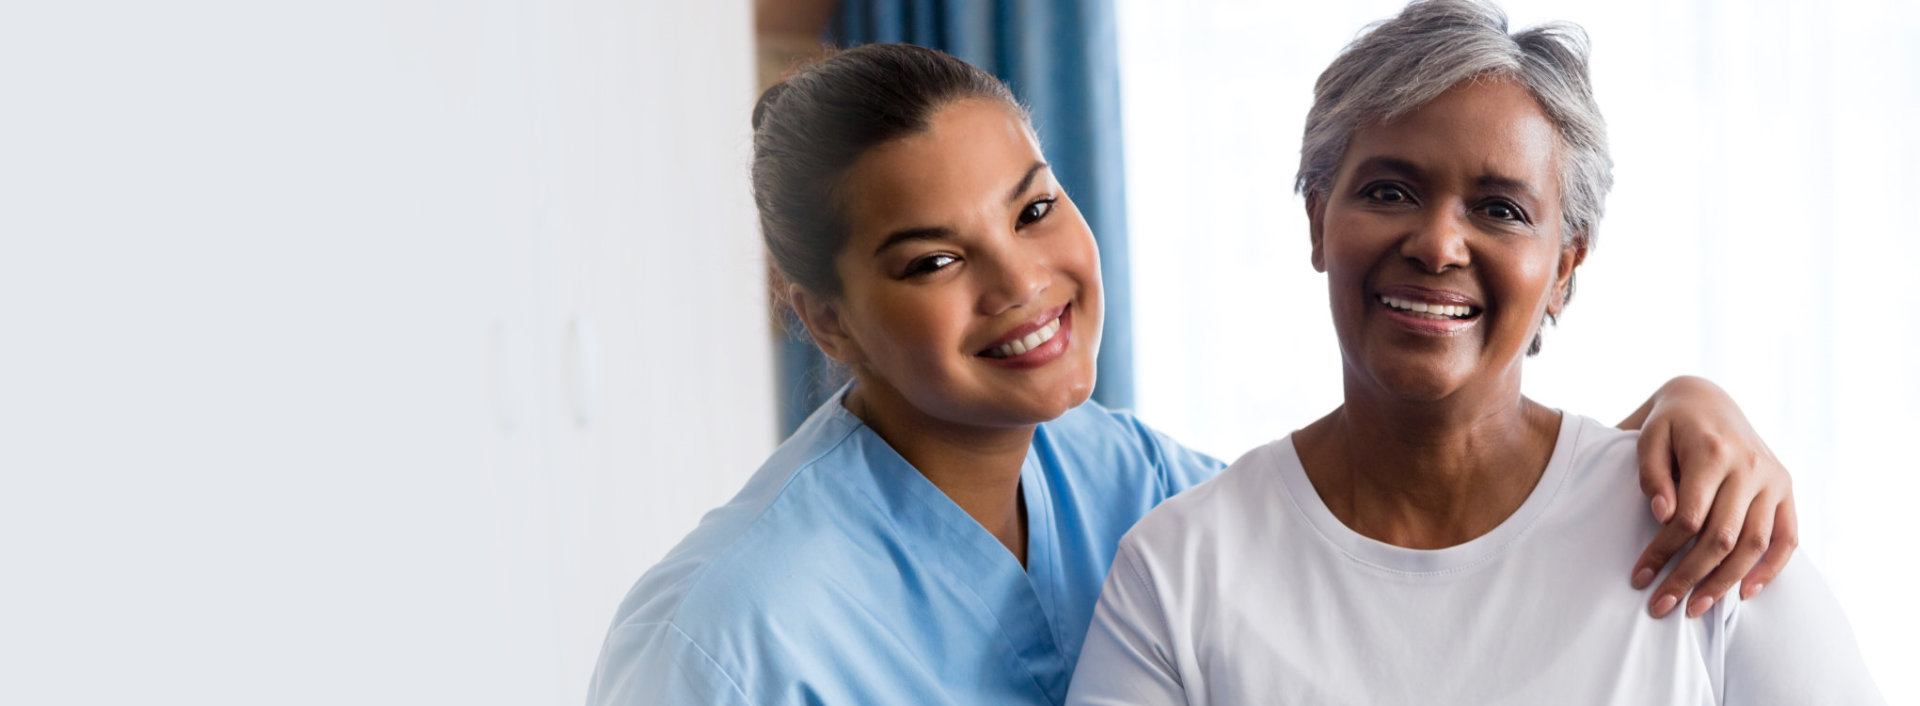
(840,575)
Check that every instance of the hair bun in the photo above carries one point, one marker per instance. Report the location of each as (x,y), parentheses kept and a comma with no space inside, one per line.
(767,99)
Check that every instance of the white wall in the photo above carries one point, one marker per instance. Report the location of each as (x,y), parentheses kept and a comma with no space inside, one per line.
(289,402)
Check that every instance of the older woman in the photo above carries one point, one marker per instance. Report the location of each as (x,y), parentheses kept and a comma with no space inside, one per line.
(1439,538)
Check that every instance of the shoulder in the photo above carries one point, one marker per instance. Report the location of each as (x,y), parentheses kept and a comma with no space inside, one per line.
(1601,463)
(1214,516)
(1111,444)
(658,664)
(751,557)
(1596,443)
(1250,483)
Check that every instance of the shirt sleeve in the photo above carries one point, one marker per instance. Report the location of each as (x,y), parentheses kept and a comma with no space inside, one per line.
(1792,645)
(1127,658)
(657,663)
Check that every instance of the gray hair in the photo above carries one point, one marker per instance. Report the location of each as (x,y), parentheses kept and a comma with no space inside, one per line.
(1398,65)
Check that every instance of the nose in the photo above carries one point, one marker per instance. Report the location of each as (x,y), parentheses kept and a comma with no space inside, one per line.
(1439,242)
(1015,277)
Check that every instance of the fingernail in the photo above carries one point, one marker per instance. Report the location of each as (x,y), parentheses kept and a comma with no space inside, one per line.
(1698,606)
(1752,590)
(1663,604)
(1661,508)
(1642,577)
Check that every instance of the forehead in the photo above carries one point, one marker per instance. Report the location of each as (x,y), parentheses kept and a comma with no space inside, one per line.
(1475,129)
(973,152)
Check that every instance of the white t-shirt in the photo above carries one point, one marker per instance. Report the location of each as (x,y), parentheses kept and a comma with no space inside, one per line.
(1247,590)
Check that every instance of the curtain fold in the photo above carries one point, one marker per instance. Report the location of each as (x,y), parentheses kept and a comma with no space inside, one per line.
(1061,58)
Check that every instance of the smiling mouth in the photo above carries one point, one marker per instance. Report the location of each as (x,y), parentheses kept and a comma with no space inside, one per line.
(1025,343)
(1435,312)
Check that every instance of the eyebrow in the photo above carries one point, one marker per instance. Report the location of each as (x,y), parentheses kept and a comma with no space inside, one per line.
(1412,171)
(910,234)
(942,232)
(1503,183)
(1391,164)
(1025,181)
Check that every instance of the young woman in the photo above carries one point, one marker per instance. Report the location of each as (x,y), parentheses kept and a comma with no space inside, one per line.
(937,532)
(1394,551)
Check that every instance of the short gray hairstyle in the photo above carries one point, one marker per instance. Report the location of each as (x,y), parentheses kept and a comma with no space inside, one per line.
(1398,65)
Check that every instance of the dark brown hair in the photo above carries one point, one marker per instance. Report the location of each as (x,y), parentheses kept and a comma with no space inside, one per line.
(808,129)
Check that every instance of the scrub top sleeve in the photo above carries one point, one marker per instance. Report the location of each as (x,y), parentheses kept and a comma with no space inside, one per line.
(1792,645)
(644,665)
(1126,659)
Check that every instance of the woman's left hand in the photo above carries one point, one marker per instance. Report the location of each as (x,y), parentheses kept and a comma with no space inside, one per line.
(1733,495)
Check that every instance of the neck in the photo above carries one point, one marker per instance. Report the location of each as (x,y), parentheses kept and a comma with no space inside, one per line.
(977,467)
(1428,474)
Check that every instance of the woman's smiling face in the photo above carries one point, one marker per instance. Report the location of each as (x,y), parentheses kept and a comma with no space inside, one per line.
(1441,240)
(970,283)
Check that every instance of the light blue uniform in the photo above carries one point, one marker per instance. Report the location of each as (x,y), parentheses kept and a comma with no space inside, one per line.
(840,575)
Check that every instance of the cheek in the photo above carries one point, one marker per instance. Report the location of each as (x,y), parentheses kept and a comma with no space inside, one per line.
(1351,241)
(911,324)
(1072,253)
(1530,276)
(1077,252)
(1348,253)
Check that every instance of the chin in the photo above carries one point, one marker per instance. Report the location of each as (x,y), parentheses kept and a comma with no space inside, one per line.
(1040,407)
(1050,407)
(1415,383)
(1077,391)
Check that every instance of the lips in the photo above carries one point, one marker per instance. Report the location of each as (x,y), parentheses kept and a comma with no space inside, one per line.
(1426,310)
(1429,312)
(1026,337)
(1423,302)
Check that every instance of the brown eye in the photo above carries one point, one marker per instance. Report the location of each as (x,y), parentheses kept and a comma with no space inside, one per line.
(930,263)
(1036,211)
(1504,211)
(1388,193)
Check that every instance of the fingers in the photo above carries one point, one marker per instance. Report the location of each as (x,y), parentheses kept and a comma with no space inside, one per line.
(1780,546)
(1695,493)
(1719,536)
(1755,535)
(1656,471)
(1657,554)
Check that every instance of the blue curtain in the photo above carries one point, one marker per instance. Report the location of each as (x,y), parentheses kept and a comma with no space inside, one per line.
(1061,57)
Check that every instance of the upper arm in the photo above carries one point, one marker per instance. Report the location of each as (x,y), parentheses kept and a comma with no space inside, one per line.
(659,664)
(1127,657)
(1792,645)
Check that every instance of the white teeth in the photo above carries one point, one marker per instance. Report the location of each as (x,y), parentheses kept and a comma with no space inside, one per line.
(1027,342)
(1428,311)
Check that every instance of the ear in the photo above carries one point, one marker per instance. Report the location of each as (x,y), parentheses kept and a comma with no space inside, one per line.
(1316,229)
(1571,256)
(824,322)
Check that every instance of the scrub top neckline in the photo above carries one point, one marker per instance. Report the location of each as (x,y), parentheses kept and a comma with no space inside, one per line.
(1007,593)
(1035,496)
(1404,560)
